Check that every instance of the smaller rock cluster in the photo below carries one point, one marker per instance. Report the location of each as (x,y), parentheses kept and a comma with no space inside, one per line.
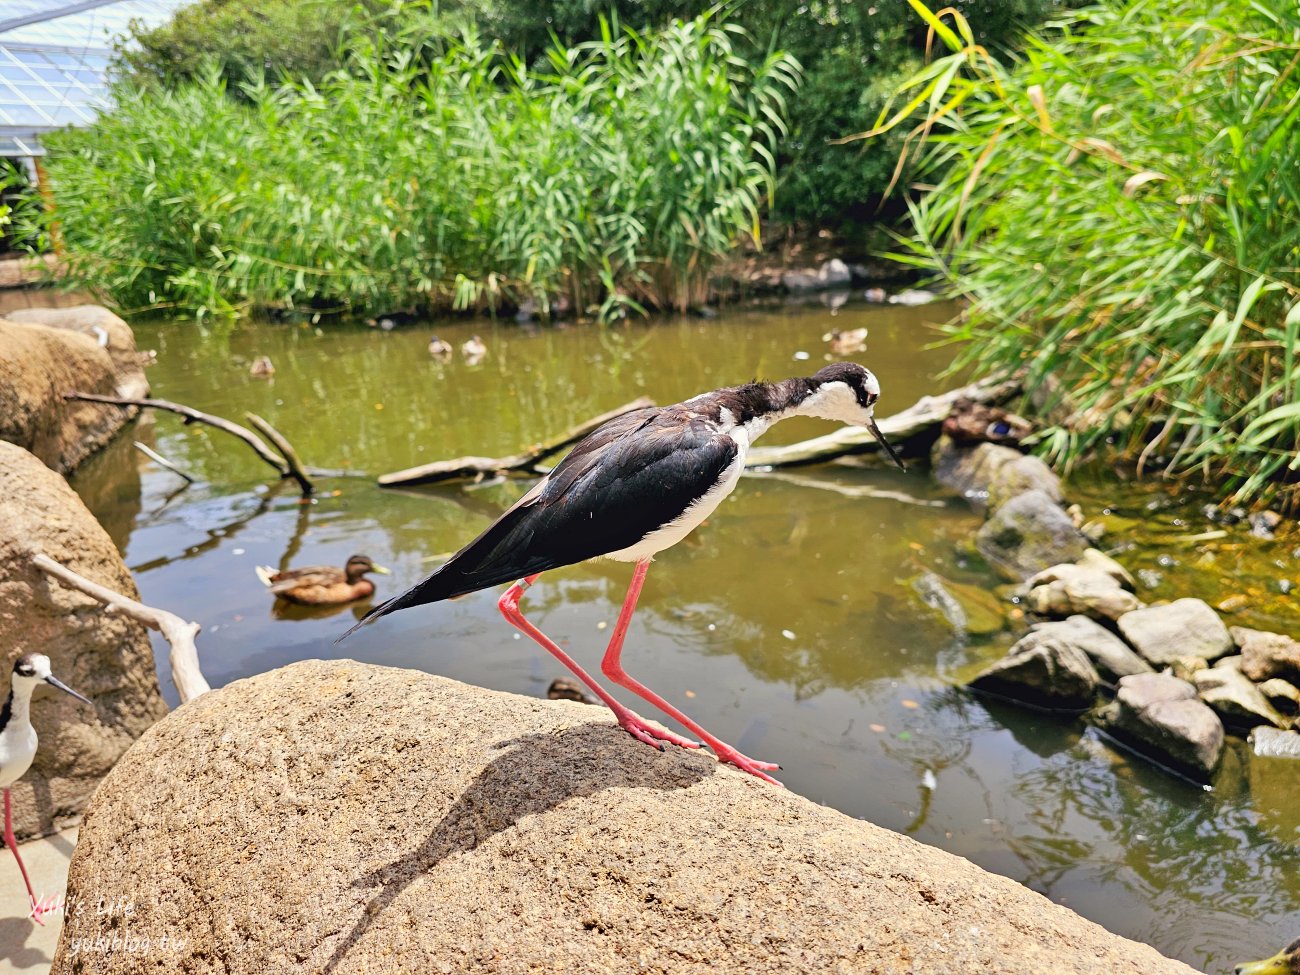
(1181,679)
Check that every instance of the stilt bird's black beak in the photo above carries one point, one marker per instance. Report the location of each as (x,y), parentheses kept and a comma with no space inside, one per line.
(64,687)
(893,454)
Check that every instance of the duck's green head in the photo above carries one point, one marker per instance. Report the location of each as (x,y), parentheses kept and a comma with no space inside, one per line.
(1285,962)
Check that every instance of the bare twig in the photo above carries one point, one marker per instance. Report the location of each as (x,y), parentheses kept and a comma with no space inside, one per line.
(186,674)
(282,466)
(855,491)
(524,462)
(162,461)
(281,443)
(920,417)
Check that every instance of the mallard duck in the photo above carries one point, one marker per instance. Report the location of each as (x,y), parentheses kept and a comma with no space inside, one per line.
(440,348)
(262,367)
(323,585)
(846,342)
(473,348)
(1285,962)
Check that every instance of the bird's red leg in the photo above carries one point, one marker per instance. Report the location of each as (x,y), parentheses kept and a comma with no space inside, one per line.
(631,722)
(12,843)
(612,666)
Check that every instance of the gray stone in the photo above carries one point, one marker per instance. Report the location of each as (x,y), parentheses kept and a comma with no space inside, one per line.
(1027,535)
(1272,743)
(835,273)
(1265,655)
(103,655)
(1282,694)
(969,470)
(1066,590)
(832,274)
(1045,671)
(1023,474)
(1094,559)
(966,610)
(1183,628)
(1235,699)
(913,296)
(1109,653)
(338,817)
(1160,716)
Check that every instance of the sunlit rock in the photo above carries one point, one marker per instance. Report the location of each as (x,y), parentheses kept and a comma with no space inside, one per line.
(1111,655)
(1045,670)
(1183,628)
(1282,694)
(1023,474)
(1235,699)
(1265,655)
(1066,590)
(1272,743)
(339,817)
(1161,717)
(969,470)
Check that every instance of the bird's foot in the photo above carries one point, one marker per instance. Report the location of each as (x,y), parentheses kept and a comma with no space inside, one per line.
(730,756)
(650,733)
(39,909)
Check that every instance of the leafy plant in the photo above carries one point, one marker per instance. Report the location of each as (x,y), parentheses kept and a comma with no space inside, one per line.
(434,171)
(1122,205)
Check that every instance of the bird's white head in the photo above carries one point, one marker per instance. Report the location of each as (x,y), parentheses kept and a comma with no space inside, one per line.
(31,669)
(847,392)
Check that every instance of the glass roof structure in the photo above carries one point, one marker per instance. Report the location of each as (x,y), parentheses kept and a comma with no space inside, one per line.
(54,57)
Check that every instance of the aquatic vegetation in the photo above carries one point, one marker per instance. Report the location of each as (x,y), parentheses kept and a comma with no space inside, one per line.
(1122,204)
(434,171)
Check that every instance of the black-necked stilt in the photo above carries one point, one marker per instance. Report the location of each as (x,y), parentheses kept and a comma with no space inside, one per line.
(323,585)
(635,486)
(18,742)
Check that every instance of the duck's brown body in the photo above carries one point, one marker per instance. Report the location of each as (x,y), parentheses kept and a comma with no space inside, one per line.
(323,585)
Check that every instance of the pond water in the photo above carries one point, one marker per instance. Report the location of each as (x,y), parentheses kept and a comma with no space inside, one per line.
(788,625)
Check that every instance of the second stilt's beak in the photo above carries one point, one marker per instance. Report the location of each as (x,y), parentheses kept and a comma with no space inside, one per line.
(54,681)
(893,454)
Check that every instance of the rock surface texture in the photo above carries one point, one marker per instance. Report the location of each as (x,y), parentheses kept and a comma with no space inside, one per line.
(1161,716)
(337,817)
(1043,669)
(1183,628)
(106,657)
(1028,534)
(40,362)
(1265,655)
(1109,653)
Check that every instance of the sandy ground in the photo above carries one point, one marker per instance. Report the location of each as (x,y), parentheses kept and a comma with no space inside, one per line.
(25,947)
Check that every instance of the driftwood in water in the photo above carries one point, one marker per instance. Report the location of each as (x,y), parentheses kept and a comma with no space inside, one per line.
(189,679)
(524,462)
(296,470)
(162,461)
(190,415)
(921,417)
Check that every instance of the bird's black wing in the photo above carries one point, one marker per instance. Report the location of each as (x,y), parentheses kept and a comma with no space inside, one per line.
(625,480)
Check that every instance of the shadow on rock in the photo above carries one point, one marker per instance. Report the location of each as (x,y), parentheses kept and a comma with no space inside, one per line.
(536,774)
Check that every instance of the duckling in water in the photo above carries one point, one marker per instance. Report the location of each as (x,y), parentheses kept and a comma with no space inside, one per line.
(440,349)
(846,342)
(1285,962)
(262,367)
(323,585)
(473,349)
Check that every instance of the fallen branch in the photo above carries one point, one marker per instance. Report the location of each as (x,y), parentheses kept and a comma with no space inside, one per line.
(921,416)
(855,491)
(524,462)
(191,415)
(186,674)
(162,461)
(296,470)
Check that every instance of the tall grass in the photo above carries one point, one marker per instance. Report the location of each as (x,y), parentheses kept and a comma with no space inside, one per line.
(435,171)
(1123,207)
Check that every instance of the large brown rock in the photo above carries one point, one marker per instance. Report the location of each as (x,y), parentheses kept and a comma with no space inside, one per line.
(106,657)
(339,817)
(107,329)
(39,363)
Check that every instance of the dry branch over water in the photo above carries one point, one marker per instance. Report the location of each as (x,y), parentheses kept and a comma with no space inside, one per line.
(189,679)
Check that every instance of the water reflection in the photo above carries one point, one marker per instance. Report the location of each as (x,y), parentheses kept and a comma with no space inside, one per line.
(788,625)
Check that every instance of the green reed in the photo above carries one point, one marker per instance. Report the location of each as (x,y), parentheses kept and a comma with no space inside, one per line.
(1123,207)
(435,172)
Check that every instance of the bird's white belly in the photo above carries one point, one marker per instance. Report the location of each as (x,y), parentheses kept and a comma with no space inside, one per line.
(17,749)
(690,519)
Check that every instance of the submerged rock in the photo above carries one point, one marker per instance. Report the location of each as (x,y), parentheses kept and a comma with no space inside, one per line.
(1068,589)
(1045,670)
(1183,628)
(1235,699)
(965,609)
(1161,716)
(105,656)
(1111,655)
(1027,535)
(335,816)
(1265,655)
